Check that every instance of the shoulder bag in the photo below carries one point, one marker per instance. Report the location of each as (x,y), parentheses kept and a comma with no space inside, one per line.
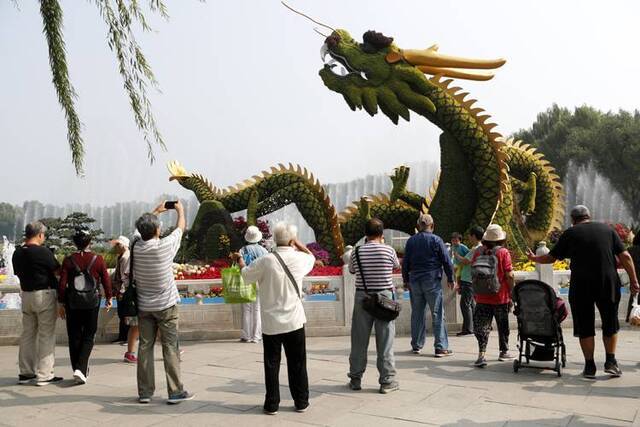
(376,304)
(288,273)
(128,302)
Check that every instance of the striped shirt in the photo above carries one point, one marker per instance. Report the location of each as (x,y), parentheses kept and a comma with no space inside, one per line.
(378,261)
(153,272)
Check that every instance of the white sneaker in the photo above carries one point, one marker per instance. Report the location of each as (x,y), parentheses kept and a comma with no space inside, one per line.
(79,377)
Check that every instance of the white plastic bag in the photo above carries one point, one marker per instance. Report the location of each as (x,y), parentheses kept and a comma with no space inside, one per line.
(634,316)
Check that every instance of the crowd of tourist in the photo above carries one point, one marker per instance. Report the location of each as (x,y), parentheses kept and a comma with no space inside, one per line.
(482,274)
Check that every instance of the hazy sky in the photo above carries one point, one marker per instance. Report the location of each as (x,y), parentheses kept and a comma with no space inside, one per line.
(241,91)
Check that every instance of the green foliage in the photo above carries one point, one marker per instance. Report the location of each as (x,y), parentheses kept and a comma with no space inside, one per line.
(120,16)
(8,215)
(61,230)
(611,141)
(52,27)
(216,243)
(453,208)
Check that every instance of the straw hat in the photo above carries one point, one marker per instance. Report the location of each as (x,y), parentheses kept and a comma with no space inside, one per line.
(494,233)
(253,234)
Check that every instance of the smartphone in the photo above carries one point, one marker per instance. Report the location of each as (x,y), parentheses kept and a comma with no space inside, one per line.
(170,205)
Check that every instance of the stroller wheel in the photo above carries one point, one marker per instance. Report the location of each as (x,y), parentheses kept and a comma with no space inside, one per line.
(559,368)
(516,365)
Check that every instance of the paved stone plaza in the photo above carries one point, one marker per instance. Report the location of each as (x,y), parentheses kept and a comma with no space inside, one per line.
(227,378)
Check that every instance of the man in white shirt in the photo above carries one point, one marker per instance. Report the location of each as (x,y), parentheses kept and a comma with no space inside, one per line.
(282,314)
(152,266)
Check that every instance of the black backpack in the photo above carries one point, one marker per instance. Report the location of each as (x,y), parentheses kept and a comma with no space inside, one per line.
(82,290)
(484,272)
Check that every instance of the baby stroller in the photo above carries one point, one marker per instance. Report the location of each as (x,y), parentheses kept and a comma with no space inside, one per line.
(539,332)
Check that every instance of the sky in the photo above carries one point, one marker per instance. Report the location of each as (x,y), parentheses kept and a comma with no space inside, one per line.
(240,89)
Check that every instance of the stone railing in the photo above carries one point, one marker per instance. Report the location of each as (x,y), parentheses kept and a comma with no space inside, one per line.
(328,312)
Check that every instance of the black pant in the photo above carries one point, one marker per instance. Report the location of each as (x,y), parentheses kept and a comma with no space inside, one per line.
(467,305)
(123,330)
(81,330)
(296,352)
(482,318)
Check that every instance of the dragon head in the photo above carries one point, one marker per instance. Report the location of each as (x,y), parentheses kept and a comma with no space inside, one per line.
(376,73)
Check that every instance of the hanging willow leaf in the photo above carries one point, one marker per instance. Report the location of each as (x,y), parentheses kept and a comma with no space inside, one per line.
(120,16)
(52,27)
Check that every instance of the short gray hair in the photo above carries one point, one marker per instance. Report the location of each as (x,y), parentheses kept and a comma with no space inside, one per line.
(147,225)
(33,229)
(424,221)
(284,233)
(580,212)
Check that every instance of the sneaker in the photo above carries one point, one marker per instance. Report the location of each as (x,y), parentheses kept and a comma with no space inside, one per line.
(53,380)
(244,340)
(267,412)
(389,387)
(589,372)
(354,384)
(612,369)
(79,377)
(144,400)
(505,356)
(464,334)
(130,358)
(26,379)
(302,408)
(443,353)
(182,397)
(416,351)
(480,362)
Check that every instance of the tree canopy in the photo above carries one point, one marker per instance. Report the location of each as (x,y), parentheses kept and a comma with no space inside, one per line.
(610,141)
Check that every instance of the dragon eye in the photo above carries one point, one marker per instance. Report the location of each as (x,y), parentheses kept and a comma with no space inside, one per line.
(333,40)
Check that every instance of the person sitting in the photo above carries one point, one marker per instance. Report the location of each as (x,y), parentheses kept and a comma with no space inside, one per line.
(80,301)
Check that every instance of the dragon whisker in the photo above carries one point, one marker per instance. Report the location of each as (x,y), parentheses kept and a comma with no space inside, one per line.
(306,16)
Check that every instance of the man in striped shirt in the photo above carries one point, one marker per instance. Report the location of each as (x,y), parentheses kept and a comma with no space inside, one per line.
(151,263)
(378,261)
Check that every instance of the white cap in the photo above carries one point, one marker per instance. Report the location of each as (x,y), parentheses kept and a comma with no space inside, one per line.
(494,233)
(253,234)
(122,240)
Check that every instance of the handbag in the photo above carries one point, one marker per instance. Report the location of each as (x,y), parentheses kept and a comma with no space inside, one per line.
(288,273)
(377,305)
(128,302)
(234,289)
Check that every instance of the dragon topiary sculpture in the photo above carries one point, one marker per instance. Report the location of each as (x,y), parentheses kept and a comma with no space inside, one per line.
(484,178)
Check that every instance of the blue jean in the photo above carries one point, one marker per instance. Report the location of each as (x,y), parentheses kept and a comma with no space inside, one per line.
(425,292)
(361,325)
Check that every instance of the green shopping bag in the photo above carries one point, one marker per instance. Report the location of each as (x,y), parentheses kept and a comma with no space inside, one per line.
(234,290)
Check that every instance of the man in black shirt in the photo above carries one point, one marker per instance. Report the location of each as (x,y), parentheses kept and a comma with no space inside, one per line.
(35,266)
(593,248)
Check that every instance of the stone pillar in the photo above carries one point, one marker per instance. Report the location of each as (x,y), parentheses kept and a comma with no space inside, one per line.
(545,271)
(348,293)
(450,302)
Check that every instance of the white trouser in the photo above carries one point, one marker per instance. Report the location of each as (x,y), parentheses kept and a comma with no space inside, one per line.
(251,323)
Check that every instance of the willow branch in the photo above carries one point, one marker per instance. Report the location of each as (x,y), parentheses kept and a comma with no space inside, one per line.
(52,27)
